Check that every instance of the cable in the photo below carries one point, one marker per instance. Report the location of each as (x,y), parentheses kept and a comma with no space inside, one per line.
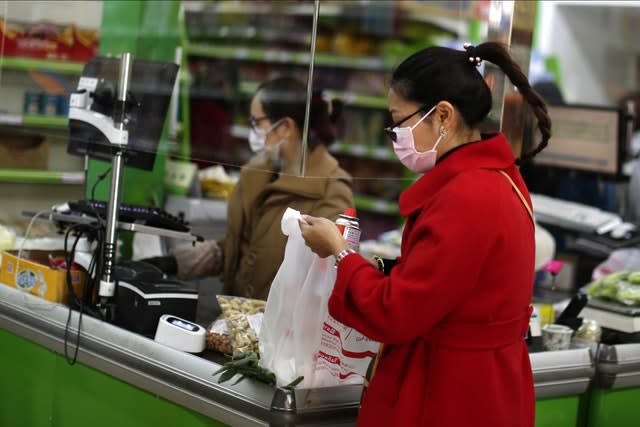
(24,239)
(73,299)
(95,184)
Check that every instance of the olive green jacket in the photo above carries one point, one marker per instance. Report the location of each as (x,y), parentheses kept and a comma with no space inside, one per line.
(253,247)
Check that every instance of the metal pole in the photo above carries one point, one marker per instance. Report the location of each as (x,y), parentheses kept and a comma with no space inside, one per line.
(107,284)
(108,289)
(312,60)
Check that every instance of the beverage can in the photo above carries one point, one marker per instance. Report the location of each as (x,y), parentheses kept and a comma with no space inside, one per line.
(349,226)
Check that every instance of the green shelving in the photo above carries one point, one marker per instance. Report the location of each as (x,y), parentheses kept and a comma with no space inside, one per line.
(57,122)
(374,204)
(38,121)
(18,63)
(363,150)
(284,56)
(248,88)
(29,176)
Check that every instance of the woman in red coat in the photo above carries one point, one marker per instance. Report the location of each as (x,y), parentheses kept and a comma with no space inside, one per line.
(453,312)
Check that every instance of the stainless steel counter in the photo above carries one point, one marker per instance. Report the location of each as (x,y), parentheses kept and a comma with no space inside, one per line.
(562,373)
(176,376)
(618,366)
(187,379)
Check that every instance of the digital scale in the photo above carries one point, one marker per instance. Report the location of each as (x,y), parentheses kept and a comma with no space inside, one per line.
(612,315)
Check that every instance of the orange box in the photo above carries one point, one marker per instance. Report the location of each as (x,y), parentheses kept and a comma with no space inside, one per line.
(36,277)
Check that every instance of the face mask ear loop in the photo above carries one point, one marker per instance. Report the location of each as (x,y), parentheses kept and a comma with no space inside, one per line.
(423,117)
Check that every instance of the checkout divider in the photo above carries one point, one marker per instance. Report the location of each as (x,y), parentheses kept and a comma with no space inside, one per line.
(125,379)
(614,399)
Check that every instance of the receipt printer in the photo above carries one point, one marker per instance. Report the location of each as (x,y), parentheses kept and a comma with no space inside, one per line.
(140,303)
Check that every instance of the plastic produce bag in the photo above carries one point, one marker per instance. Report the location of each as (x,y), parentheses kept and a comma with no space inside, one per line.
(298,337)
(628,293)
(619,260)
(244,319)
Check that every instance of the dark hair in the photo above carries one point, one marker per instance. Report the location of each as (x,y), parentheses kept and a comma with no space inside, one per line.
(287,96)
(439,74)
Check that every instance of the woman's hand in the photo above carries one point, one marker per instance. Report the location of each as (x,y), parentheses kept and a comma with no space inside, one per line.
(322,236)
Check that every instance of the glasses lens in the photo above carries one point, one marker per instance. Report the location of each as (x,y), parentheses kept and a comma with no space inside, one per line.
(253,121)
(391,134)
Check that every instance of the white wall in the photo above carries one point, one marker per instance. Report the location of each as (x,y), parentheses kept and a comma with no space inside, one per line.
(85,14)
(597,44)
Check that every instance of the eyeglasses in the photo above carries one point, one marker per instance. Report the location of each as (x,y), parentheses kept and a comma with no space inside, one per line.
(253,121)
(389,130)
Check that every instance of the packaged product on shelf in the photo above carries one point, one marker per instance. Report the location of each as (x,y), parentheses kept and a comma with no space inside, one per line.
(31,102)
(244,319)
(375,125)
(47,40)
(23,151)
(49,104)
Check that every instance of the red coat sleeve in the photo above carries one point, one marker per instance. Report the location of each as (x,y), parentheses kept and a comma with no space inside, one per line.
(448,244)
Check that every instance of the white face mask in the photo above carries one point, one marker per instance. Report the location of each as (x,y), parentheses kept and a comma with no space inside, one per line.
(405,148)
(258,137)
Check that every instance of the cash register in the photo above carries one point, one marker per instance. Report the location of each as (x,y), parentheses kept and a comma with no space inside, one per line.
(117,114)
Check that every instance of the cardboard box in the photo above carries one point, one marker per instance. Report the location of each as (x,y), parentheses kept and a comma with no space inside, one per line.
(23,151)
(36,277)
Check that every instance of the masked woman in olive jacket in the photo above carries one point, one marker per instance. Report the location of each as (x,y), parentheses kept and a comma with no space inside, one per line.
(248,257)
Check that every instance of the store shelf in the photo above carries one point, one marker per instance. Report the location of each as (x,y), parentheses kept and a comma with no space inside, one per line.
(374,204)
(327,8)
(29,176)
(448,17)
(349,98)
(359,100)
(52,122)
(284,56)
(363,150)
(344,148)
(57,122)
(17,63)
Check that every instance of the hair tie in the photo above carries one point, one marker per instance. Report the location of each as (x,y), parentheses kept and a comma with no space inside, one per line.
(472,55)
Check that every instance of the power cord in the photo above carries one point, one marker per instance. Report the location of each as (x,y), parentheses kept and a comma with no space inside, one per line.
(95,184)
(27,233)
(74,299)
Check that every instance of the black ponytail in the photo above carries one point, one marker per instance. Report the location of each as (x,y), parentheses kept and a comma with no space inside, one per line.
(498,54)
(439,74)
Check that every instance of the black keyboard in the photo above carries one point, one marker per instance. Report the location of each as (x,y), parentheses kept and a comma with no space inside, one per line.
(145,215)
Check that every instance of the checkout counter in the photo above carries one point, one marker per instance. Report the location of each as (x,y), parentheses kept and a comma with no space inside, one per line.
(125,379)
(615,396)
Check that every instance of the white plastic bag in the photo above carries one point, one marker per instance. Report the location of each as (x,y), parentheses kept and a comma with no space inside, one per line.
(298,337)
(276,340)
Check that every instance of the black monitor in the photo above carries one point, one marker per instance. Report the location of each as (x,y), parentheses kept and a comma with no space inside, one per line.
(590,139)
(150,88)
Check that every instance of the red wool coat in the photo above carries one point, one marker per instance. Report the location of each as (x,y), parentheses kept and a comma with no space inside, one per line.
(454,310)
